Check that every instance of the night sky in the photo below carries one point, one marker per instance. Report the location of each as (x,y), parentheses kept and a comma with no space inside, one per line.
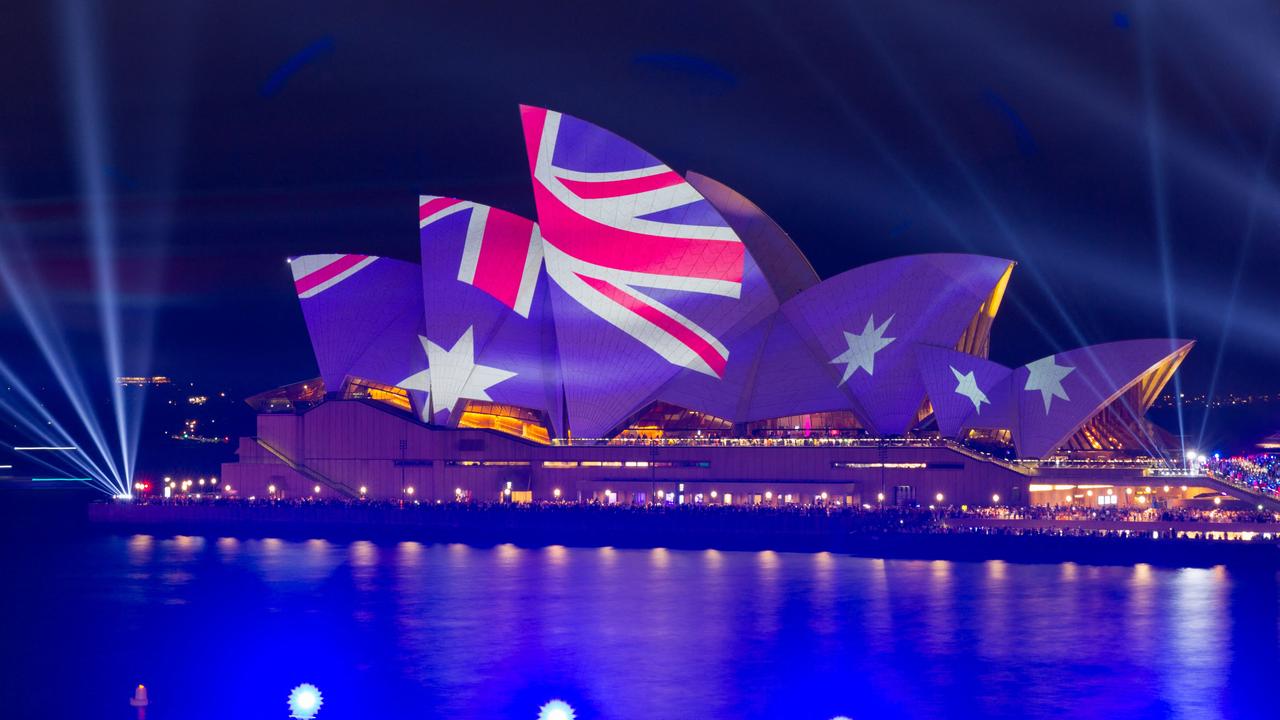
(1075,138)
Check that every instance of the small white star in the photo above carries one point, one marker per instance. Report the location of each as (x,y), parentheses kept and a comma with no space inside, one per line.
(863,348)
(967,386)
(455,374)
(1046,376)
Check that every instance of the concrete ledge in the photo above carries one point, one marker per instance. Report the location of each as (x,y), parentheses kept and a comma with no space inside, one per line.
(730,530)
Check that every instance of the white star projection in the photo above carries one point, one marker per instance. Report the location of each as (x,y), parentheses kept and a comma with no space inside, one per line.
(967,386)
(455,374)
(863,348)
(420,380)
(1046,376)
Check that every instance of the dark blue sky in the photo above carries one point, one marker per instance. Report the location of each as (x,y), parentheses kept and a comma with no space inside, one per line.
(1049,133)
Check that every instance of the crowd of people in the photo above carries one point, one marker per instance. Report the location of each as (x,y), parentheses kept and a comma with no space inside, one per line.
(1260,471)
(794,527)
(888,517)
(1116,514)
(782,439)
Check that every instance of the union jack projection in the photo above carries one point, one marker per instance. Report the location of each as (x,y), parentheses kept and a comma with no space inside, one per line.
(503,252)
(313,274)
(364,315)
(492,339)
(631,241)
(675,305)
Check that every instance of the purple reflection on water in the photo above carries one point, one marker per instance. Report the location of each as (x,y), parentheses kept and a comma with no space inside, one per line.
(221,627)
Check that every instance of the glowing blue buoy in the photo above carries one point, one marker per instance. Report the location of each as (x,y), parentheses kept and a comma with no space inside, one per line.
(305,701)
(556,710)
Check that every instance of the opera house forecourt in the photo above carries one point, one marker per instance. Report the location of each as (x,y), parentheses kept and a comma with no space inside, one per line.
(655,338)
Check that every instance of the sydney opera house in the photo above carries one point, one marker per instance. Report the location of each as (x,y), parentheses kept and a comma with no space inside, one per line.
(655,337)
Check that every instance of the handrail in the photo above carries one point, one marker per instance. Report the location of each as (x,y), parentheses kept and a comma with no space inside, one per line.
(1247,489)
(309,473)
(976,455)
(1022,468)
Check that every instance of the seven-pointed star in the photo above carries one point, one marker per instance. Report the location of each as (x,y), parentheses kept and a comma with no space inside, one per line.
(420,380)
(967,386)
(863,348)
(454,375)
(1046,376)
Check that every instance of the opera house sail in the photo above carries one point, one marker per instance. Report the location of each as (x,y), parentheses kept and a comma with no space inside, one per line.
(656,327)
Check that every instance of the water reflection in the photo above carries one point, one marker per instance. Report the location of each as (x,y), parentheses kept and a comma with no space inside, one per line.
(938,609)
(1198,642)
(141,548)
(557,555)
(227,546)
(364,554)
(408,554)
(1141,611)
(869,590)
(823,596)
(363,557)
(494,632)
(764,615)
(186,544)
(660,558)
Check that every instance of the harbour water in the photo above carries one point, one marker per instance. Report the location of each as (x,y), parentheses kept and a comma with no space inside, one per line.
(219,627)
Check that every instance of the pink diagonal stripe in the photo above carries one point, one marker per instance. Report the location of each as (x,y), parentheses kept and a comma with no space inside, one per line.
(668,324)
(588,190)
(600,244)
(328,272)
(431,207)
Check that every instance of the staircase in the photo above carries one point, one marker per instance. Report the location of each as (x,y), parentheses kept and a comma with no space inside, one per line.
(974,454)
(340,487)
(1243,492)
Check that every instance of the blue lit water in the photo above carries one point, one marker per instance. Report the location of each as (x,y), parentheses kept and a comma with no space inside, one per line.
(223,628)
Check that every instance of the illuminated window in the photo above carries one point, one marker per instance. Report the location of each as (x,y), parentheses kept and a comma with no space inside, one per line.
(487,463)
(509,419)
(362,389)
(896,466)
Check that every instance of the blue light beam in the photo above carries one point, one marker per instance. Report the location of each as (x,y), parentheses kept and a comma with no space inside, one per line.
(1159,197)
(33,308)
(90,140)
